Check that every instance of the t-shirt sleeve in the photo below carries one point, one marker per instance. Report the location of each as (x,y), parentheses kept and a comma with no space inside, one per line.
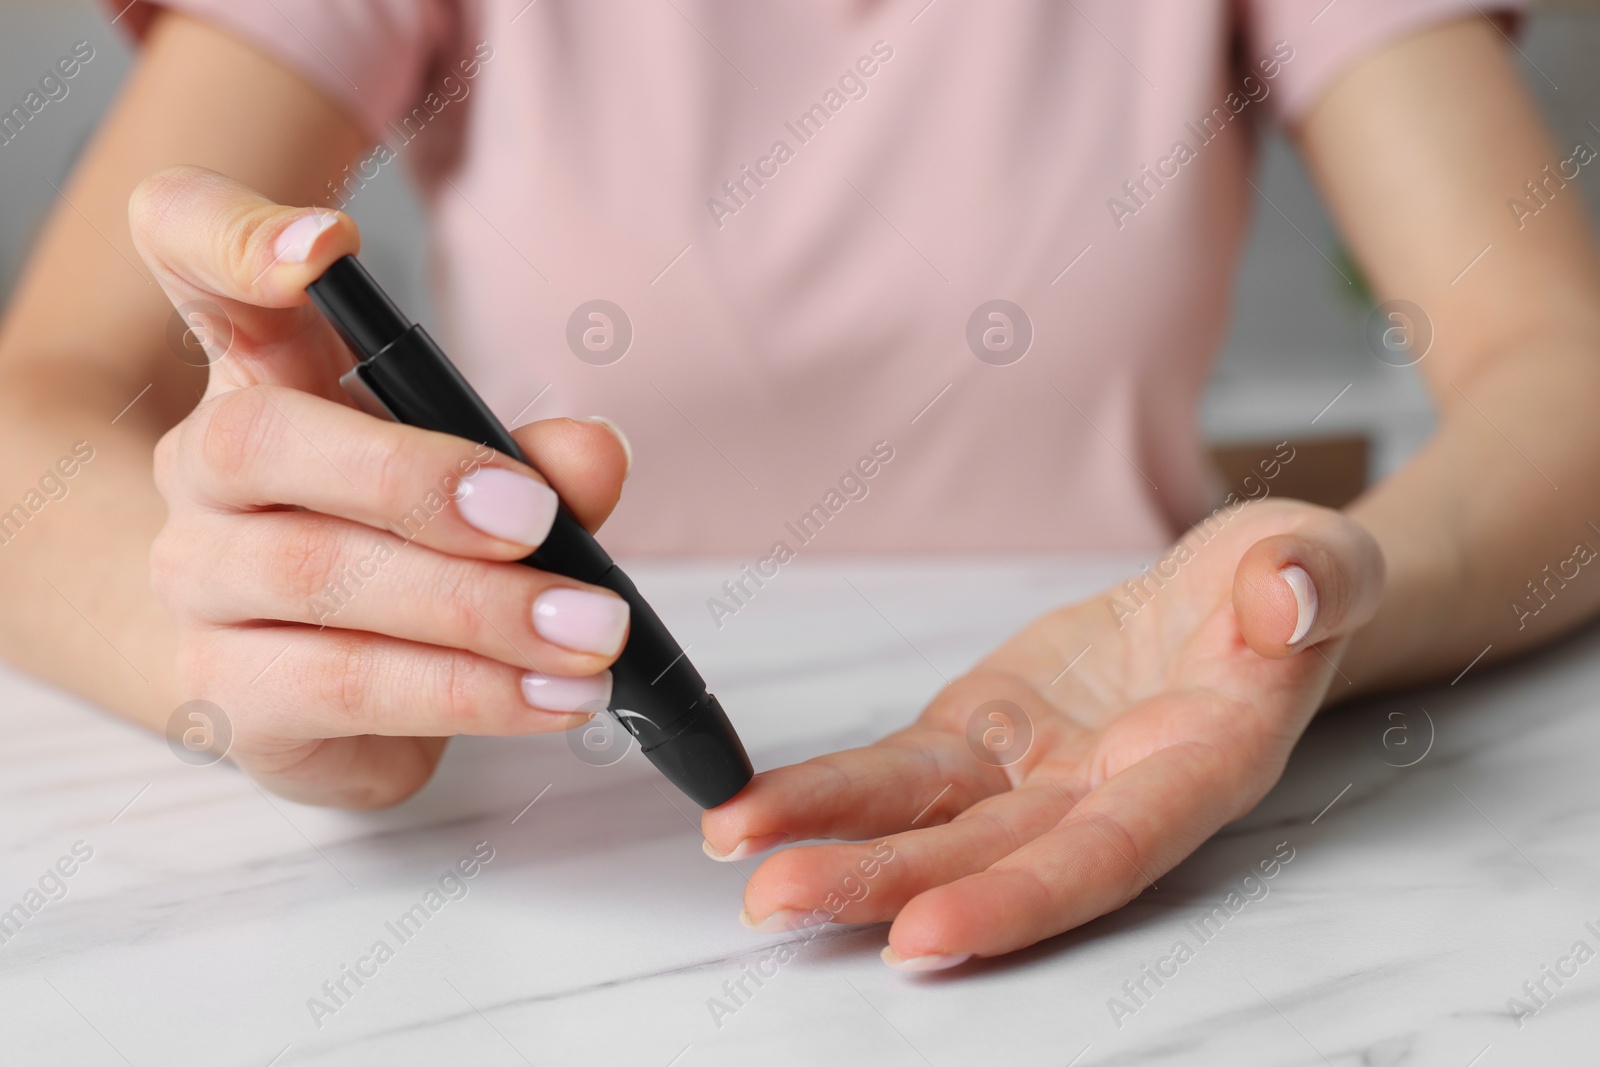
(371,57)
(1325,38)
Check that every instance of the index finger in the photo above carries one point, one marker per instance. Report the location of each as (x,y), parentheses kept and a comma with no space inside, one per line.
(917,776)
(921,775)
(265,447)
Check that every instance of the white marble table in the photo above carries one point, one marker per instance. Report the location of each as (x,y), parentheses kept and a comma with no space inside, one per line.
(1418,900)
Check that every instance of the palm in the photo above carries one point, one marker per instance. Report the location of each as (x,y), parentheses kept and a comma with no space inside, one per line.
(1076,763)
(1175,667)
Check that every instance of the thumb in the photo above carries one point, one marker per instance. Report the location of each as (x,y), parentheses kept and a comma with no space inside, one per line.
(1321,579)
(236,265)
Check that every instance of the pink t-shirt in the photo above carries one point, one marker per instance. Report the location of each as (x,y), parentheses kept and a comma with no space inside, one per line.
(878,275)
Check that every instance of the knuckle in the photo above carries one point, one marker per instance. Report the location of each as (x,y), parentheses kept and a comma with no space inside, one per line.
(231,431)
(456,599)
(391,470)
(996,828)
(352,674)
(1126,856)
(238,242)
(414,476)
(165,464)
(169,565)
(459,681)
(182,564)
(307,557)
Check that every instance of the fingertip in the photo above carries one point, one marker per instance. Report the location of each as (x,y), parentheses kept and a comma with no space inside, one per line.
(933,924)
(507,505)
(784,920)
(306,242)
(922,930)
(218,235)
(1299,589)
(923,964)
(1275,598)
(622,439)
(572,700)
(745,847)
(585,461)
(986,913)
(730,824)
(295,241)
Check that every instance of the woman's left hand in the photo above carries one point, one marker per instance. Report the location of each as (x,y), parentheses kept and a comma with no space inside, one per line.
(1177,719)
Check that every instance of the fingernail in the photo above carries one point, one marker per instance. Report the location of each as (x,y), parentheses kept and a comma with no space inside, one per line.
(748,847)
(1305,600)
(294,244)
(581,620)
(554,693)
(507,505)
(782,921)
(922,963)
(622,439)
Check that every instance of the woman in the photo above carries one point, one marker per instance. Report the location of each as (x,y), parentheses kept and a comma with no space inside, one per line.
(988,242)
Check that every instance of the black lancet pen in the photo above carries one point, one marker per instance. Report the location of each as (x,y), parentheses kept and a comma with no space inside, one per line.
(656,694)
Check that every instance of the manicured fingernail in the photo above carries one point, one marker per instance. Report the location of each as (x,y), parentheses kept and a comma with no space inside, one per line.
(507,505)
(554,693)
(1305,600)
(581,620)
(748,847)
(782,920)
(922,963)
(622,439)
(294,244)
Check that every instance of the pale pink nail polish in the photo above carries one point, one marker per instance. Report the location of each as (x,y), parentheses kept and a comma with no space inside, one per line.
(750,846)
(295,243)
(922,963)
(507,505)
(1305,600)
(554,693)
(581,620)
(783,920)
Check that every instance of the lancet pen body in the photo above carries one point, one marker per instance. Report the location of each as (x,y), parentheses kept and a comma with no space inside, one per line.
(657,695)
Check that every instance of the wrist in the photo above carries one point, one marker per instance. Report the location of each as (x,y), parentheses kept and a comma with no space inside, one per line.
(1422,580)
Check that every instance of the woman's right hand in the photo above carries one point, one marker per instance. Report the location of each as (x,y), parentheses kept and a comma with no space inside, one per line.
(345,588)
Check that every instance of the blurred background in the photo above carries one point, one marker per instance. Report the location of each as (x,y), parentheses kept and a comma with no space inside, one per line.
(1298,336)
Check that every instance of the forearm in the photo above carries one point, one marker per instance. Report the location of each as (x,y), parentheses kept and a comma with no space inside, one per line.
(86,331)
(1506,488)
(78,609)
(1422,151)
